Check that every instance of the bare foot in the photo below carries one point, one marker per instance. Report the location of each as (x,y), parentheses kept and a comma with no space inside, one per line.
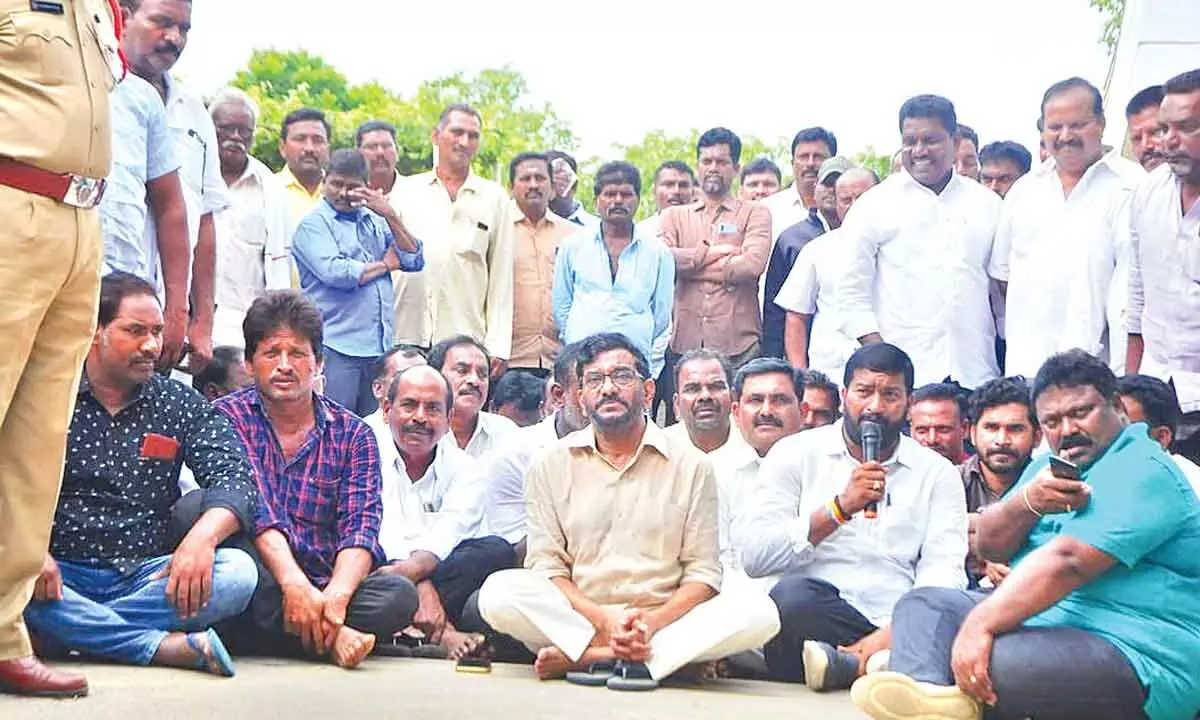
(351,647)
(460,644)
(553,663)
(698,673)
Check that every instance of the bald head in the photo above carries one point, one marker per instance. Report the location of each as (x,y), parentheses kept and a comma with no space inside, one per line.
(418,413)
(419,376)
(852,183)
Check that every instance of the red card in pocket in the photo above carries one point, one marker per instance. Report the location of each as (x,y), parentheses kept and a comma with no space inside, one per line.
(159,447)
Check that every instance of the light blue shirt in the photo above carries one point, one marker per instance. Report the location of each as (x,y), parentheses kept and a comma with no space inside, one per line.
(142,151)
(1145,515)
(331,250)
(637,304)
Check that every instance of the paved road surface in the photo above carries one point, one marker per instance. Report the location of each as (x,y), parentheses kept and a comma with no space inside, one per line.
(413,689)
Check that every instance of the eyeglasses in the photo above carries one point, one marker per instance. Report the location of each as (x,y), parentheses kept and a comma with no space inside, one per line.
(622,377)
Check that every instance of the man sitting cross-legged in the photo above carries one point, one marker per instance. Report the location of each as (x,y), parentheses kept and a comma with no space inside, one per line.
(317,522)
(843,569)
(115,584)
(623,556)
(1100,616)
(433,495)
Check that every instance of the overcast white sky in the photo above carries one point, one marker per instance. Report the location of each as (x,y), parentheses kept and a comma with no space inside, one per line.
(618,68)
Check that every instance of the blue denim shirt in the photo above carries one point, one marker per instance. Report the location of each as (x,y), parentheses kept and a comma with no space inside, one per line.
(637,304)
(331,249)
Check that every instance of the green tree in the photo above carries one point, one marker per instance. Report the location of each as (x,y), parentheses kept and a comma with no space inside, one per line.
(657,147)
(281,81)
(1114,15)
(872,160)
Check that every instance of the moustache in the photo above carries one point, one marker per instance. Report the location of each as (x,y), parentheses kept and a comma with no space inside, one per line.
(677,200)
(1001,453)
(1074,441)
(168,49)
(416,429)
(1068,144)
(808,173)
(768,420)
(612,398)
(471,390)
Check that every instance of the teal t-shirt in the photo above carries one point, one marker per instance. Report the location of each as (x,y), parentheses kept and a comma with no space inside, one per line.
(1145,514)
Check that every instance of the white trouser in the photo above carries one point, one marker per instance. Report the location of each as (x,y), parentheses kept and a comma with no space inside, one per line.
(533,610)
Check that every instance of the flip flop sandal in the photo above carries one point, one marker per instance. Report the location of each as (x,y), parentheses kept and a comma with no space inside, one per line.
(225,665)
(478,660)
(597,674)
(391,648)
(429,651)
(632,677)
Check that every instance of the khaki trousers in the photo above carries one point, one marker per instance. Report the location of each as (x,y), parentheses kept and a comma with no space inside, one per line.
(531,609)
(49,290)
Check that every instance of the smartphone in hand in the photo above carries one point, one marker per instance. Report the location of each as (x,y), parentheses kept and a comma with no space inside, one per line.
(1063,469)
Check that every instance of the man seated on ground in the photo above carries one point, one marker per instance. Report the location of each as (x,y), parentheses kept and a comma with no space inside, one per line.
(1150,400)
(1098,618)
(939,420)
(465,363)
(504,509)
(225,373)
(317,521)
(1004,431)
(398,359)
(809,519)
(114,584)
(702,401)
(766,407)
(623,560)
(433,497)
(821,401)
(521,397)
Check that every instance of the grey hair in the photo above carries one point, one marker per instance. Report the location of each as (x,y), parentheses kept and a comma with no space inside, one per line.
(230,95)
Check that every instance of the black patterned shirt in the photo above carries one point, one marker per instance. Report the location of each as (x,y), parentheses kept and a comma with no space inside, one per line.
(122,473)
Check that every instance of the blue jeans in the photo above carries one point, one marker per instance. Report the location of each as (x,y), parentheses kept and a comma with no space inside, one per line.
(348,381)
(1059,673)
(125,617)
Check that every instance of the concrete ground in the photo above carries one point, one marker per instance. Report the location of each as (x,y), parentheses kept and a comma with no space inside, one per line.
(266,689)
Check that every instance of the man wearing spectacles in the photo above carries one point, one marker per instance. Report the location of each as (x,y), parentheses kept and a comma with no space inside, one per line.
(625,592)
(1062,240)
(255,247)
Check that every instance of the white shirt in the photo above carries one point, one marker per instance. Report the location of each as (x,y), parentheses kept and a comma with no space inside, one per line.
(434,513)
(504,510)
(649,226)
(196,148)
(1058,255)
(1190,470)
(1164,283)
(918,540)
(490,432)
(917,274)
(786,208)
(810,290)
(253,249)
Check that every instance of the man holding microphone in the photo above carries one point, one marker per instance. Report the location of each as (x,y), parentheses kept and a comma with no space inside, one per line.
(867,532)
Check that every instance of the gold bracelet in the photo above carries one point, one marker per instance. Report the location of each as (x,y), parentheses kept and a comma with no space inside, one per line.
(1025,497)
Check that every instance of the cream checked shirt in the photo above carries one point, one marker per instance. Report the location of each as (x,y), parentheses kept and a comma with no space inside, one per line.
(467,284)
(625,536)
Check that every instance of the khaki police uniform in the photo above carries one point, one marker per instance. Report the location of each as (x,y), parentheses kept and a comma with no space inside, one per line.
(58,62)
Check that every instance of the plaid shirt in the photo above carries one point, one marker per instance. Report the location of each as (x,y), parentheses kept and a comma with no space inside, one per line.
(326,498)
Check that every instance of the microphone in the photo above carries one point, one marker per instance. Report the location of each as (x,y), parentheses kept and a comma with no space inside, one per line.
(871,434)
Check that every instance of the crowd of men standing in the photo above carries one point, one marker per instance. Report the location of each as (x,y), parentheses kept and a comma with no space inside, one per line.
(427,418)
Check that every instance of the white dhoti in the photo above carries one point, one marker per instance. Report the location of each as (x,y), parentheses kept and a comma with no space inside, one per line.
(533,610)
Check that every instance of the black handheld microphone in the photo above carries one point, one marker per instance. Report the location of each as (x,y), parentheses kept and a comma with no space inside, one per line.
(871,435)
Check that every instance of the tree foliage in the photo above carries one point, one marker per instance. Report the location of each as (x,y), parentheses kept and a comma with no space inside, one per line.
(1114,15)
(657,147)
(282,81)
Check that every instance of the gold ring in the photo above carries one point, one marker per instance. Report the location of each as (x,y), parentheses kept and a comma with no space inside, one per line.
(972,679)
(875,486)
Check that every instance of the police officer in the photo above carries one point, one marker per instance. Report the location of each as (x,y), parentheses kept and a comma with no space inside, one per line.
(58,62)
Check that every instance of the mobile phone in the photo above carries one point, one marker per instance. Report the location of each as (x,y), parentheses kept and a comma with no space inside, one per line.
(473,665)
(1064,469)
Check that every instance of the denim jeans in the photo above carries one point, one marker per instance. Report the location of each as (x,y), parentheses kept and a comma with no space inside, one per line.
(348,382)
(1057,673)
(104,613)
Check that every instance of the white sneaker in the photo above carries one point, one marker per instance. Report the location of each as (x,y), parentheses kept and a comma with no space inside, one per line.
(891,696)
